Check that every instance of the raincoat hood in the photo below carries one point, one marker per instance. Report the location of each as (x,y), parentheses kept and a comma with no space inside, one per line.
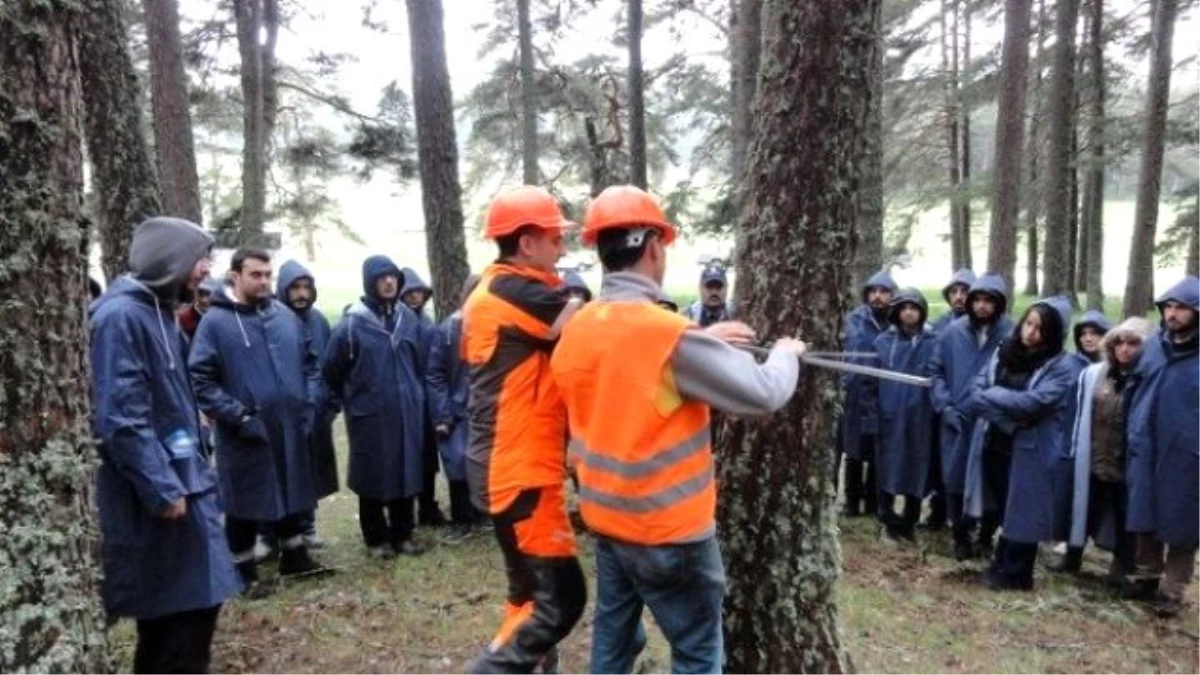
(413,282)
(1091,318)
(164,251)
(904,297)
(962,277)
(1186,292)
(993,285)
(881,279)
(291,272)
(375,267)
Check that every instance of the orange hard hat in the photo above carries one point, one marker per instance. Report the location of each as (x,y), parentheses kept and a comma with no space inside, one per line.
(525,205)
(625,207)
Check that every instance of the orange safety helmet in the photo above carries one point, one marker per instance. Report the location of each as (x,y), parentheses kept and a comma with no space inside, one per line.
(626,207)
(525,205)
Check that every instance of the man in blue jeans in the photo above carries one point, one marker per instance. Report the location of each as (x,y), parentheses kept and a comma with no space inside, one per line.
(646,486)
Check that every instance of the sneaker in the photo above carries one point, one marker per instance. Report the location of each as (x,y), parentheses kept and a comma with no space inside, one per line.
(409,547)
(382,552)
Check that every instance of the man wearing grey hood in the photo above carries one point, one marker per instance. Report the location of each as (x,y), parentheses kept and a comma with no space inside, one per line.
(163,550)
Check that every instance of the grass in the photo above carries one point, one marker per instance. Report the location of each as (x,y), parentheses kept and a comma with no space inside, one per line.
(902,610)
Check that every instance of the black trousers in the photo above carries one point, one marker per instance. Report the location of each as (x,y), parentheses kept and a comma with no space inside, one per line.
(429,467)
(1013,563)
(243,533)
(462,511)
(385,522)
(176,643)
(860,488)
(938,507)
(1107,498)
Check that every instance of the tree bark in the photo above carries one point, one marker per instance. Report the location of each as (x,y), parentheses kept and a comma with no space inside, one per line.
(950,117)
(1193,249)
(437,154)
(173,142)
(745,39)
(126,187)
(778,512)
(1006,175)
(529,120)
(868,247)
(637,101)
(1139,286)
(50,612)
(1056,266)
(259,102)
(964,131)
(1033,157)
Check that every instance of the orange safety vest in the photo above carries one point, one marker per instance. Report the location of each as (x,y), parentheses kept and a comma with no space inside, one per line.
(642,454)
(516,423)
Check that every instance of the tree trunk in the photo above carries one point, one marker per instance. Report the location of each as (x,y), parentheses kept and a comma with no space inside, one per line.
(949,45)
(125,184)
(50,612)
(868,247)
(1193,249)
(1033,157)
(1055,265)
(964,132)
(173,142)
(529,120)
(437,153)
(1139,286)
(745,38)
(637,102)
(1073,207)
(259,101)
(1006,175)
(778,512)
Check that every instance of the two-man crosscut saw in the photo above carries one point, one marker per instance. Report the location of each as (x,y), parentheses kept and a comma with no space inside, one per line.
(822,360)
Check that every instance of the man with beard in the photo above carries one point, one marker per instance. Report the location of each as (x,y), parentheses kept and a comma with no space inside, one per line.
(165,560)
(1161,432)
(963,349)
(189,316)
(416,294)
(955,295)
(858,429)
(712,307)
(372,363)
(297,289)
(255,374)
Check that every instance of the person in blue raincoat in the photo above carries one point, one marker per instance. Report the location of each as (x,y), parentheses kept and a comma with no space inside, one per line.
(905,415)
(297,288)
(1088,331)
(955,295)
(858,428)
(373,362)
(964,348)
(1163,443)
(575,286)
(256,374)
(416,294)
(1022,401)
(447,384)
(163,552)
(1090,492)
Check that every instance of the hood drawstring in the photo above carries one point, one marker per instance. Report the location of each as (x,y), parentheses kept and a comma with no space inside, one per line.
(162,327)
(245,338)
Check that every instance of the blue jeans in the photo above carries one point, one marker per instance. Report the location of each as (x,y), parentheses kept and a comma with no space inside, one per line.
(684,587)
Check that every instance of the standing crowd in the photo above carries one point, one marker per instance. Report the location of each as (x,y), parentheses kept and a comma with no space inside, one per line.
(214,402)
(1020,441)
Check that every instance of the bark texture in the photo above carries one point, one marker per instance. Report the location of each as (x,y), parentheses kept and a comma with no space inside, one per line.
(1006,174)
(126,187)
(777,510)
(1139,286)
(437,154)
(174,145)
(50,614)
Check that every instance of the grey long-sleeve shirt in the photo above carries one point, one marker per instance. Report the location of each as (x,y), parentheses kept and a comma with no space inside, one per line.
(709,370)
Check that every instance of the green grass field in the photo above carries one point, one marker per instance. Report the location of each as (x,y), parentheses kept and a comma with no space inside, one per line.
(902,610)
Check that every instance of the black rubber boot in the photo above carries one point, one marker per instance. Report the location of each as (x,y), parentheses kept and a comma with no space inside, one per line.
(1070,562)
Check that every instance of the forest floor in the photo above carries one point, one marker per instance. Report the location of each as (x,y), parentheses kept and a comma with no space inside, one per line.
(902,610)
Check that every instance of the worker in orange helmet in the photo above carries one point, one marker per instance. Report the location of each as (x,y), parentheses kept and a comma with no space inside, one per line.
(517,429)
(638,382)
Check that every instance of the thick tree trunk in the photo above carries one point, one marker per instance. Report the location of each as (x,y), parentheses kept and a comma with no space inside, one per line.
(637,102)
(868,247)
(1033,157)
(125,184)
(437,152)
(173,142)
(1056,266)
(259,102)
(1073,208)
(1006,175)
(950,117)
(777,511)
(529,120)
(50,613)
(1139,286)
(745,39)
(1193,249)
